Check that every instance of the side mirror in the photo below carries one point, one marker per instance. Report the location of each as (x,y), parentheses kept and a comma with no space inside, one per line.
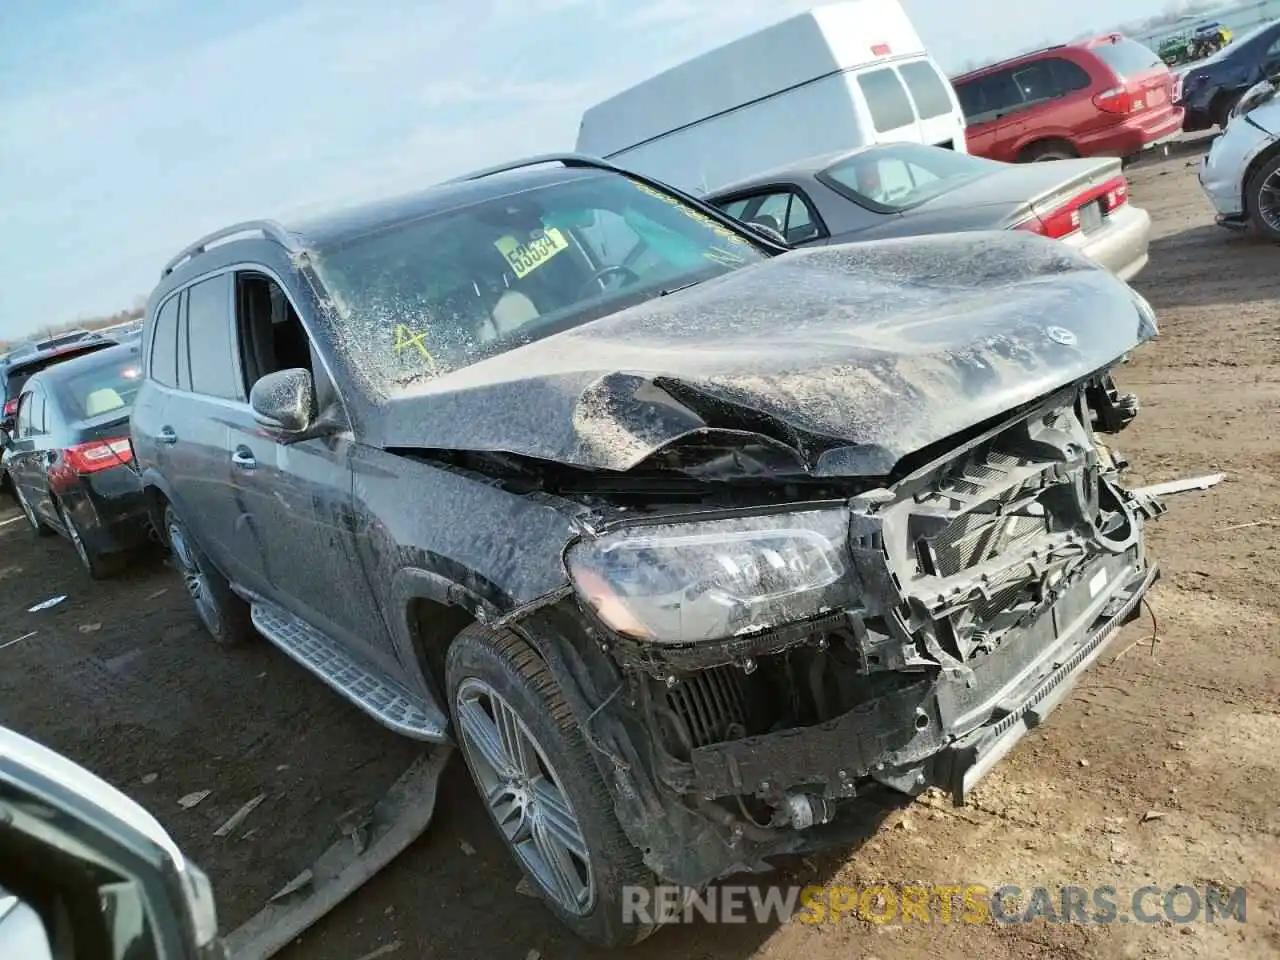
(285,400)
(71,845)
(768,233)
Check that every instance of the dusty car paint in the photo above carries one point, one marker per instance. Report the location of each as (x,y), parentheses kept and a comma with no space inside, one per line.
(908,385)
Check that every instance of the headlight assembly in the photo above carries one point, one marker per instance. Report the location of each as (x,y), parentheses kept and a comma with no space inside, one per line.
(679,583)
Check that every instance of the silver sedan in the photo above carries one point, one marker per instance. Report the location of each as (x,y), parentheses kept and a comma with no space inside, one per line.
(1241,173)
(907,189)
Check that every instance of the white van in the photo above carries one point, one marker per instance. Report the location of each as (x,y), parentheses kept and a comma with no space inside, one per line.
(834,78)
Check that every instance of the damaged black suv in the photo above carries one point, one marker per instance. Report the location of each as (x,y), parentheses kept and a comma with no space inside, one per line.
(685,538)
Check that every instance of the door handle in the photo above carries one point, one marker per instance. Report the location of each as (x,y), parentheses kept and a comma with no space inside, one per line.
(167,435)
(244,459)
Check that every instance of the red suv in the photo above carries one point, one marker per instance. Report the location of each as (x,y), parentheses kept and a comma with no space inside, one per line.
(1107,97)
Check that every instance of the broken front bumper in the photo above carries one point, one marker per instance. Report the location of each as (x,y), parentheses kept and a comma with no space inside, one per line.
(948,731)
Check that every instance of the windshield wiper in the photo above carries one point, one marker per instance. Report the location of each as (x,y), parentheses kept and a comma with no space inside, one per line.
(684,286)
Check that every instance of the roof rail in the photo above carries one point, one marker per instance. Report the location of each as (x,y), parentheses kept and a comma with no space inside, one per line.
(568,159)
(1017,56)
(266,228)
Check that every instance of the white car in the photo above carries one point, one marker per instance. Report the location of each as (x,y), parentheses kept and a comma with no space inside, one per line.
(1241,173)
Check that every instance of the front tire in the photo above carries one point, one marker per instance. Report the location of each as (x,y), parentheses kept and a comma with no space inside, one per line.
(224,615)
(1262,194)
(536,775)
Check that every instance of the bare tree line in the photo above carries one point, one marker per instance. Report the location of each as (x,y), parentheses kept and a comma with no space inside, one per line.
(83,323)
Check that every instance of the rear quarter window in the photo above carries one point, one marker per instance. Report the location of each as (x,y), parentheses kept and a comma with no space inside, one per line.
(886,99)
(164,344)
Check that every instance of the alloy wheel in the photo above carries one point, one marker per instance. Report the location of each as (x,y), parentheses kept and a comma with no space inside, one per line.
(525,796)
(1269,200)
(196,580)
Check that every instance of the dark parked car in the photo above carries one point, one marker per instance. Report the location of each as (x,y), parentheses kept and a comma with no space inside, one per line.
(1110,96)
(687,539)
(906,189)
(1211,88)
(25,361)
(70,459)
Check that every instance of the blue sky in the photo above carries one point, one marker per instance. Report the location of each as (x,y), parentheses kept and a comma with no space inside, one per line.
(132,126)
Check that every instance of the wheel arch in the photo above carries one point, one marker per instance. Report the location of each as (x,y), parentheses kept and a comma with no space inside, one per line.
(432,610)
(1264,157)
(1041,140)
(429,611)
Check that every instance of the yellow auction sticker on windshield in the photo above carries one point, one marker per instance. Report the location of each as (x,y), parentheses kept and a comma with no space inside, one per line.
(528,257)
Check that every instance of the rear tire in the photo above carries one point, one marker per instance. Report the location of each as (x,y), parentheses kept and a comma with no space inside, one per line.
(98,565)
(1262,200)
(1048,150)
(37,525)
(505,702)
(224,615)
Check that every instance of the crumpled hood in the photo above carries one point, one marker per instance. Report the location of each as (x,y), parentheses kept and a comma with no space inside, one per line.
(852,356)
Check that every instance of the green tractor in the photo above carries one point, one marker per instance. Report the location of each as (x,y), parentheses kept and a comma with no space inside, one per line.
(1204,41)
(1175,50)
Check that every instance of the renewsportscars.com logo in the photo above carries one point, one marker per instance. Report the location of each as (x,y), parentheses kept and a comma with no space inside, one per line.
(939,903)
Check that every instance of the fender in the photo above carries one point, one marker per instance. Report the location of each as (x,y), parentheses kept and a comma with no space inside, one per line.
(414,583)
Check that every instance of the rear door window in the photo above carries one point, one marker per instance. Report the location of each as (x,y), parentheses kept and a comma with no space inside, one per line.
(786,211)
(1036,82)
(887,100)
(986,98)
(215,369)
(1049,79)
(927,89)
(1126,57)
(164,345)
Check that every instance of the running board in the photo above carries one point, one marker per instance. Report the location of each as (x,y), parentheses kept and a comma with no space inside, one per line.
(387,701)
(362,849)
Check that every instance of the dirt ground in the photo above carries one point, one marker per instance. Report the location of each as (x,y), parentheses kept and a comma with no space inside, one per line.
(1162,768)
